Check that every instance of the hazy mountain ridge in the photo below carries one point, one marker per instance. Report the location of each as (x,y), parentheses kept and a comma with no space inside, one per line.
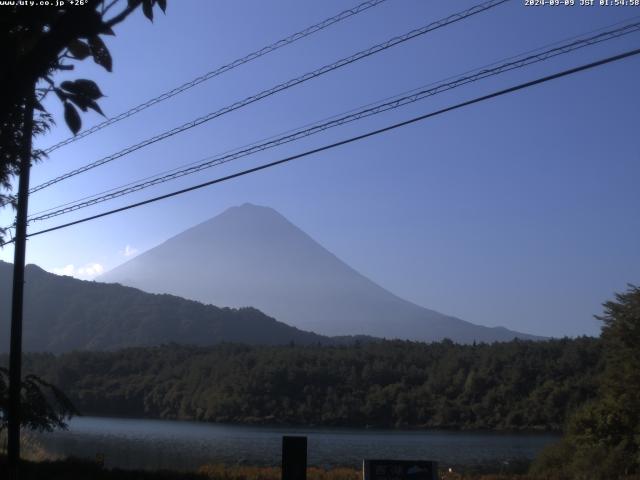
(253,256)
(63,314)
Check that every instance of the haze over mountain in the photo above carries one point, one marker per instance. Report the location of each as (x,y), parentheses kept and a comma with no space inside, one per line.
(63,314)
(253,256)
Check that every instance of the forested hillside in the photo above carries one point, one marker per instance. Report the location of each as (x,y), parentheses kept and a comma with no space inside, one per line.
(64,314)
(515,385)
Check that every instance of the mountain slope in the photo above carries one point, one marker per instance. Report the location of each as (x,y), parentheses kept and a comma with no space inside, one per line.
(63,314)
(253,256)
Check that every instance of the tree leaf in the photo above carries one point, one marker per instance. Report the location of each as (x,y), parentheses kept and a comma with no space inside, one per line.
(72,118)
(80,101)
(79,49)
(89,88)
(83,87)
(93,105)
(100,53)
(85,103)
(107,30)
(163,5)
(67,85)
(61,95)
(147,9)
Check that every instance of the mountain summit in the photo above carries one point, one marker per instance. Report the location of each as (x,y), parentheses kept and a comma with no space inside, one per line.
(253,256)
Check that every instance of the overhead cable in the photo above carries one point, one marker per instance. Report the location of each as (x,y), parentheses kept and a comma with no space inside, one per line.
(220,70)
(278,88)
(383,106)
(498,93)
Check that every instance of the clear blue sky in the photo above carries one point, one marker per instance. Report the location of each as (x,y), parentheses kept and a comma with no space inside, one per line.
(521,211)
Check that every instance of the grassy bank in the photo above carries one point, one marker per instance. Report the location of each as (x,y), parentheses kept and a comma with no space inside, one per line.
(72,469)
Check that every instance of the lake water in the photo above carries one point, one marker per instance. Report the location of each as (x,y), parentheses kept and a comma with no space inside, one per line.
(155,444)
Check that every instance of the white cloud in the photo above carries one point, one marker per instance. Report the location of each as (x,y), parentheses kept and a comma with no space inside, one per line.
(68,270)
(129,251)
(86,272)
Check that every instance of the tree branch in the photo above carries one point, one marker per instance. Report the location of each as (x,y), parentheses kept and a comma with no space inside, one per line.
(108,7)
(122,15)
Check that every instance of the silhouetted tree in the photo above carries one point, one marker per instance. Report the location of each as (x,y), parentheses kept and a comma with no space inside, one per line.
(44,407)
(38,41)
(602,440)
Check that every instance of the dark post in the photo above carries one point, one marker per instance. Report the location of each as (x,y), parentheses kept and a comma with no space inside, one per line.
(15,353)
(294,458)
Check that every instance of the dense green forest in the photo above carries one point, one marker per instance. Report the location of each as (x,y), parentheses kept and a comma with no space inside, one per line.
(514,385)
(601,439)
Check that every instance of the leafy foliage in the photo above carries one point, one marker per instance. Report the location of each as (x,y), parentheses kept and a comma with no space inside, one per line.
(35,44)
(603,437)
(43,406)
(515,385)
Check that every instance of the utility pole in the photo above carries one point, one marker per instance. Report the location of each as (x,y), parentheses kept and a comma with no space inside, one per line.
(15,352)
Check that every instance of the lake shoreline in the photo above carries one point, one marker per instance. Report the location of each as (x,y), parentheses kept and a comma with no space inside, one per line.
(382,428)
(169,444)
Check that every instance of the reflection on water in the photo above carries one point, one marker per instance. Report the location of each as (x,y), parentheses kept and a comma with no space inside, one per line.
(156,444)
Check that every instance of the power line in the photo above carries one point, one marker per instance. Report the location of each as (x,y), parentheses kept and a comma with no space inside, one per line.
(223,69)
(278,88)
(320,127)
(498,93)
(392,97)
(317,127)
